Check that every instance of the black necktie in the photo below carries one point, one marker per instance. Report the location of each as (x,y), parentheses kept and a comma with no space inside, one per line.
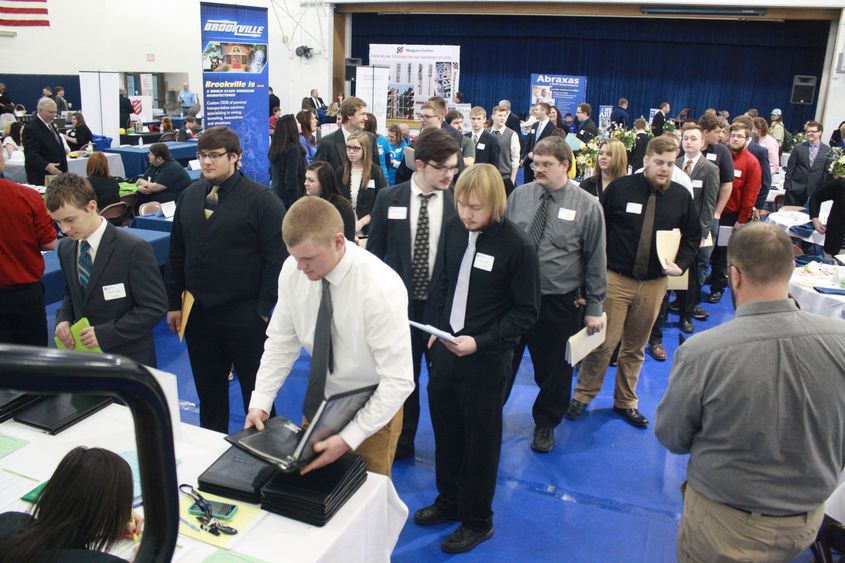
(419,263)
(538,225)
(321,355)
(497,133)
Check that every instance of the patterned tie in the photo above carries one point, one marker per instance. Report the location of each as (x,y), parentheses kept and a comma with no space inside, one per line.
(419,265)
(688,168)
(646,234)
(814,150)
(211,202)
(85,265)
(538,224)
(321,355)
(497,133)
(475,139)
(459,302)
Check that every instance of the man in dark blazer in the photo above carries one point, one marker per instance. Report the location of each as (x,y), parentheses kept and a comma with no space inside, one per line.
(637,152)
(313,102)
(539,131)
(401,217)
(44,150)
(806,170)
(587,129)
(486,145)
(512,121)
(332,147)
(111,276)
(659,119)
(125,108)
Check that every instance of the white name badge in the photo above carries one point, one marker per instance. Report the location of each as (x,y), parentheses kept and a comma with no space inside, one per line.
(371,184)
(697,183)
(480,146)
(581,132)
(116,291)
(566,214)
(634,208)
(483,261)
(737,173)
(397,213)
(710,156)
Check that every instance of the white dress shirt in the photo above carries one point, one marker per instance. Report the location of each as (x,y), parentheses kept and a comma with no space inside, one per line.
(514,147)
(371,340)
(435,220)
(94,240)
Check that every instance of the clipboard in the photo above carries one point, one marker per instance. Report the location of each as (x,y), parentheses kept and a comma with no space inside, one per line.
(187,305)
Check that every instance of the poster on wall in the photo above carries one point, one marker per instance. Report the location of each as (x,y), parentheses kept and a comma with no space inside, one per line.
(563,91)
(429,70)
(604,117)
(234,76)
(142,108)
(371,85)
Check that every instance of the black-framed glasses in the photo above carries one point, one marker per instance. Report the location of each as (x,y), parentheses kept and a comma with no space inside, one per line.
(211,155)
(350,148)
(440,168)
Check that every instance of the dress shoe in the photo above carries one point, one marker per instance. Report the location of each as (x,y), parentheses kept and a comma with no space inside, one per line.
(544,439)
(657,351)
(463,539)
(632,417)
(700,314)
(431,515)
(714,297)
(674,307)
(687,326)
(575,410)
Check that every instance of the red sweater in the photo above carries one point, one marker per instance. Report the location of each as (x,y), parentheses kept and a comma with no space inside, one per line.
(746,185)
(25,227)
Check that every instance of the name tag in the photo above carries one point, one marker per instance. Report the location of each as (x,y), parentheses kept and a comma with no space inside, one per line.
(371,184)
(116,291)
(581,132)
(697,183)
(397,213)
(737,173)
(634,208)
(710,156)
(483,261)
(566,214)
(480,146)
(534,131)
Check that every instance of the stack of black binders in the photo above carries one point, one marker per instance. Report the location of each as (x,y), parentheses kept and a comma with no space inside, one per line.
(237,475)
(314,498)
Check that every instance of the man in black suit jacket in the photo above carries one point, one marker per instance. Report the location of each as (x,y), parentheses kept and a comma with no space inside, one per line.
(314,102)
(111,276)
(332,147)
(540,130)
(400,218)
(637,152)
(587,129)
(512,122)
(44,150)
(659,120)
(804,175)
(486,145)
(125,108)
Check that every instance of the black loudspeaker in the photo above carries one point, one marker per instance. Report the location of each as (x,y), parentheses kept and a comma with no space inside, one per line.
(351,65)
(803,89)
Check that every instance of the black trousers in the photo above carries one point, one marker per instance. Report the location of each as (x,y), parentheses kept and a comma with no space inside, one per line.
(411,412)
(509,187)
(719,258)
(465,399)
(218,338)
(23,319)
(795,198)
(559,319)
(687,300)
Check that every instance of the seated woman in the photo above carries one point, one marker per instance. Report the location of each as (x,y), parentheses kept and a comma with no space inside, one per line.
(611,163)
(308,138)
(105,187)
(12,144)
(359,179)
(166,124)
(320,181)
(86,506)
(165,178)
(79,135)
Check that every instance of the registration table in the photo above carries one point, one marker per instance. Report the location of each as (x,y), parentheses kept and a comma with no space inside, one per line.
(16,173)
(806,278)
(135,159)
(366,528)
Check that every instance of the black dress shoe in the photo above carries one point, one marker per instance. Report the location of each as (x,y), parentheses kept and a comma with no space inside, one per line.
(575,410)
(714,297)
(544,439)
(687,326)
(632,417)
(674,307)
(431,515)
(700,314)
(463,539)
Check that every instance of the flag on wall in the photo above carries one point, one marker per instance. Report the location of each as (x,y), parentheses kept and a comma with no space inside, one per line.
(24,13)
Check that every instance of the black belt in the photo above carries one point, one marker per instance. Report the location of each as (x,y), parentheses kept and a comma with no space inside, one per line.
(767,515)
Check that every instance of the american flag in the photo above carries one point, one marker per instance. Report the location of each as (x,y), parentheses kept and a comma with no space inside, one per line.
(24,13)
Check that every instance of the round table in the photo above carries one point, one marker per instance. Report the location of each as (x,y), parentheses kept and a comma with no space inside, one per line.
(787,219)
(801,288)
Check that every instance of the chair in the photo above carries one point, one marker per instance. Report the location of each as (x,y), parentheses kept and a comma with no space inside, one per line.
(149,208)
(115,213)
(168,136)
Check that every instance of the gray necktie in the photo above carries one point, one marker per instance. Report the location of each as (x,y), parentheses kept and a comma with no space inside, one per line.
(459,302)
(321,355)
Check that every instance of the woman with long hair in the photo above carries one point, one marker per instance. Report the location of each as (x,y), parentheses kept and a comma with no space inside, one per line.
(86,505)
(611,163)
(371,126)
(79,135)
(307,120)
(287,161)
(557,120)
(166,124)
(105,187)
(12,142)
(321,181)
(359,179)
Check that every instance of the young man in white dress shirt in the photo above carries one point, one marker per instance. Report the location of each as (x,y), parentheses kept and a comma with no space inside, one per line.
(370,335)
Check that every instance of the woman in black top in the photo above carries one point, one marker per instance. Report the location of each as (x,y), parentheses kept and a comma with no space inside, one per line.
(554,116)
(86,505)
(320,181)
(105,187)
(611,163)
(164,179)
(359,180)
(287,161)
(835,229)
(80,135)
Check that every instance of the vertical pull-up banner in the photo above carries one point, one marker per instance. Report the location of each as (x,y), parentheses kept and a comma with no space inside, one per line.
(234,76)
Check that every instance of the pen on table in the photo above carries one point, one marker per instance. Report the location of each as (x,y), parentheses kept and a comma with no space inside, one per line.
(189,524)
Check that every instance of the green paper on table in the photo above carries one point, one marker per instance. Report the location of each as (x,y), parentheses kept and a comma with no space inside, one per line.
(127,188)
(75,329)
(226,556)
(8,444)
(33,495)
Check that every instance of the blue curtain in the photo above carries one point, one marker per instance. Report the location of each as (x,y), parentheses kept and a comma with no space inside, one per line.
(689,63)
(26,88)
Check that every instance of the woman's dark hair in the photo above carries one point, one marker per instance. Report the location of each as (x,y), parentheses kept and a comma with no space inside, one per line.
(98,165)
(15,132)
(559,121)
(329,188)
(87,504)
(80,119)
(371,125)
(284,135)
(304,118)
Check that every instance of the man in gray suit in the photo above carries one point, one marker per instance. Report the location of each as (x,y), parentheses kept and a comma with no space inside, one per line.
(806,170)
(111,277)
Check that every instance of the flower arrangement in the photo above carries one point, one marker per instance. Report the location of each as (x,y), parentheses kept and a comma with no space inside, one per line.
(587,157)
(628,138)
(669,126)
(798,138)
(837,163)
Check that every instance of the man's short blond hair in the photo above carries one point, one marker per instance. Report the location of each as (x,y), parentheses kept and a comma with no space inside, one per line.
(478,110)
(311,218)
(484,181)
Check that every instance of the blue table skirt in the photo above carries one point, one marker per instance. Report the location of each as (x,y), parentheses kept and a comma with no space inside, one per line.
(135,159)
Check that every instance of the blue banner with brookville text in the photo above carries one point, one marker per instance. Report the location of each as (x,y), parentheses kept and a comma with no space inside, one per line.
(560,90)
(234,76)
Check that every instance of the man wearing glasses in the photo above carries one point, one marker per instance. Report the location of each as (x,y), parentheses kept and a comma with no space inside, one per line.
(806,169)
(567,227)
(226,251)
(430,117)
(406,232)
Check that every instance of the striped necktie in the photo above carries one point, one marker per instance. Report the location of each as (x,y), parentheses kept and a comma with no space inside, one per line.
(85,265)
(538,224)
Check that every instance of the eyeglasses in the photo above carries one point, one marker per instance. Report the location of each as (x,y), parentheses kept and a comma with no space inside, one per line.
(441,169)
(211,155)
(424,117)
(543,165)
(350,148)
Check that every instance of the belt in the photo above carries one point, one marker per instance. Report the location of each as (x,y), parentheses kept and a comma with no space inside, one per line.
(767,515)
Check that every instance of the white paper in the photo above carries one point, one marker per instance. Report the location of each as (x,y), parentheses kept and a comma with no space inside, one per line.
(710,156)
(168,209)
(434,331)
(194,164)
(697,183)
(725,233)
(14,486)
(566,214)
(394,212)
(580,344)
(484,261)
(480,146)
(634,208)
(737,173)
(116,291)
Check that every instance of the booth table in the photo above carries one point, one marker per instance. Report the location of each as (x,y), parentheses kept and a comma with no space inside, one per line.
(16,172)
(132,138)
(801,286)
(154,222)
(135,159)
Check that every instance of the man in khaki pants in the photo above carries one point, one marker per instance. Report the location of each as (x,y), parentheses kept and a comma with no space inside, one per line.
(759,404)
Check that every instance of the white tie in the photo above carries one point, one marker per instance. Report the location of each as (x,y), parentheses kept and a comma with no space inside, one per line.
(459,301)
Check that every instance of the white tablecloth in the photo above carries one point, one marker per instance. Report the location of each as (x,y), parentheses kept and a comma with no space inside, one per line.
(801,288)
(16,173)
(786,219)
(365,529)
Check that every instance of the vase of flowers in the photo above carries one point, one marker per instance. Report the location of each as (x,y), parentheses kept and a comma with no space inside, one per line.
(837,163)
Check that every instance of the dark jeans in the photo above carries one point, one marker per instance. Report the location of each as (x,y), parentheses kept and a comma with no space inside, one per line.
(411,416)
(719,258)
(23,319)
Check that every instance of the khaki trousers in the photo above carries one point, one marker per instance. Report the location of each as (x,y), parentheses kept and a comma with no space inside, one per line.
(713,532)
(631,307)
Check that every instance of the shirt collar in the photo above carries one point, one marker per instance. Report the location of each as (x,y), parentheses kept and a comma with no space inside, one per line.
(49,125)
(417,191)
(229,183)
(97,236)
(338,273)
(694,160)
(766,307)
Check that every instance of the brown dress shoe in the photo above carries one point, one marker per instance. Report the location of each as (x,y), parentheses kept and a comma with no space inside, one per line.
(658,352)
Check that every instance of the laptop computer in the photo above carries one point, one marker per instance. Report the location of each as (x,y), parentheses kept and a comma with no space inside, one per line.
(290,447)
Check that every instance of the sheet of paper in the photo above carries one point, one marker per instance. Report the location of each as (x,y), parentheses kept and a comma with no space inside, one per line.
(247,516)
(434,330)
(8,444)
(409,158)
(75,329)
(225,556)
(709,240)
(668,244)
(187,305)
(580,344)
(13,486)
(725,232)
